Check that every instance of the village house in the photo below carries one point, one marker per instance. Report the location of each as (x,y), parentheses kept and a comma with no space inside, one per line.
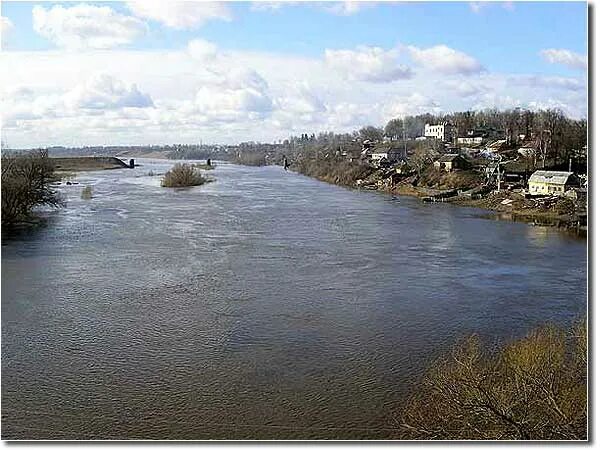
(547,182)
(473,137)
(450,162)
(388,156)
(496,146)
(440,132)
(469,140)
(527,149)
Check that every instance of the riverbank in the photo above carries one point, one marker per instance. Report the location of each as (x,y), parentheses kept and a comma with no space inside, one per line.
(559,212)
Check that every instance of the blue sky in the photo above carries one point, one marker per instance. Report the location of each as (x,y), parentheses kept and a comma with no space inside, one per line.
(541,45)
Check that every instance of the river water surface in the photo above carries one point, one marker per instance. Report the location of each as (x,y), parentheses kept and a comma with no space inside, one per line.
(263,305)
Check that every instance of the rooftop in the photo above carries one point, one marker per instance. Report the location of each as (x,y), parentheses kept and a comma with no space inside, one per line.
(550,176)
(448,157)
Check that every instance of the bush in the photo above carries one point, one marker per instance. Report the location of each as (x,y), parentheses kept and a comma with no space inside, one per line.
(26,179)
(533,388)
(182,175)
(338,171)
(86,193)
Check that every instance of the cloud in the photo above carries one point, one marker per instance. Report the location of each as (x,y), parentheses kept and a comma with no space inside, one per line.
(268,6)
(368,64)
(242,94)
(236,96)
(477,7)
(94,97)
(201,49)
(86,26)
(346,8)
(464,88)
(413,104)
(301,99)
(106,92)
(565,57)
(446,60)
(537,81)
(498,101)
(180,14)
(6,27)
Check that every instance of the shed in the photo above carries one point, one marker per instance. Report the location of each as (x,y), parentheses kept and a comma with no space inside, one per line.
(547,182)
(451,161)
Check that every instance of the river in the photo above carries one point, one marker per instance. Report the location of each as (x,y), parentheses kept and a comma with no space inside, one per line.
(263,305)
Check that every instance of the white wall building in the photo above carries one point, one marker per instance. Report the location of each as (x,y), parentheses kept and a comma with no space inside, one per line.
(440,131)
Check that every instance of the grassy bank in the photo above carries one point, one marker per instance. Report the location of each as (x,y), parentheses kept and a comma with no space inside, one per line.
(559,211)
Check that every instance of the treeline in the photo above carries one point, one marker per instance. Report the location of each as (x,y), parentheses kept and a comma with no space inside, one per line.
(26,184)
(555,136)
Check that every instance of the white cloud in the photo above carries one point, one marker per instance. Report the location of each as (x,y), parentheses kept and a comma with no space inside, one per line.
(368,64)
(267,6)
(86,26)
(537,81)
(180,14)
(106,92)
(446,60)
(498,101)
(301,99)
(94,97)
(6,27)
(346,8)
(566,57)
(464,88)
(477,7)
(235,96)
(413,104)
(202,50)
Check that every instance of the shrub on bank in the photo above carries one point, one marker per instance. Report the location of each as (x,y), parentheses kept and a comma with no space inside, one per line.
(183,175)
(26,179)
(334,170)
(533,388)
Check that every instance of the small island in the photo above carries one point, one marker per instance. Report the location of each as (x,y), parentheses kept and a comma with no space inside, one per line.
(183,175)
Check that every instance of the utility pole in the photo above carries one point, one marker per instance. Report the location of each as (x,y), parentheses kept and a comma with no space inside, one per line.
(499,161)
(404,137)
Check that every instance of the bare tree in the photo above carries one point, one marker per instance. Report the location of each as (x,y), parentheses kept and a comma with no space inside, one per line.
(534,388)
(26,179)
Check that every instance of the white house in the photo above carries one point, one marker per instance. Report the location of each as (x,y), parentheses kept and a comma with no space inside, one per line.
(547,182)
(440,131)
(469,140)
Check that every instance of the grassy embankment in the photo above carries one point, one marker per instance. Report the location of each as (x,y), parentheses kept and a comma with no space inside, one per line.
(561,212)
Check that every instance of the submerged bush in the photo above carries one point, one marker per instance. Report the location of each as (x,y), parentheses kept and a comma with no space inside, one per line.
(182,175)
(533,388)
(86,193)
(26,180)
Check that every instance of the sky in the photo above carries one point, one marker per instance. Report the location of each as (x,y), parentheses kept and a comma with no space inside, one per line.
(164,72)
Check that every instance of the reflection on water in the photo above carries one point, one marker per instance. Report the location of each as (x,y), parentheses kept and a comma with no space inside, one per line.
(265,304)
